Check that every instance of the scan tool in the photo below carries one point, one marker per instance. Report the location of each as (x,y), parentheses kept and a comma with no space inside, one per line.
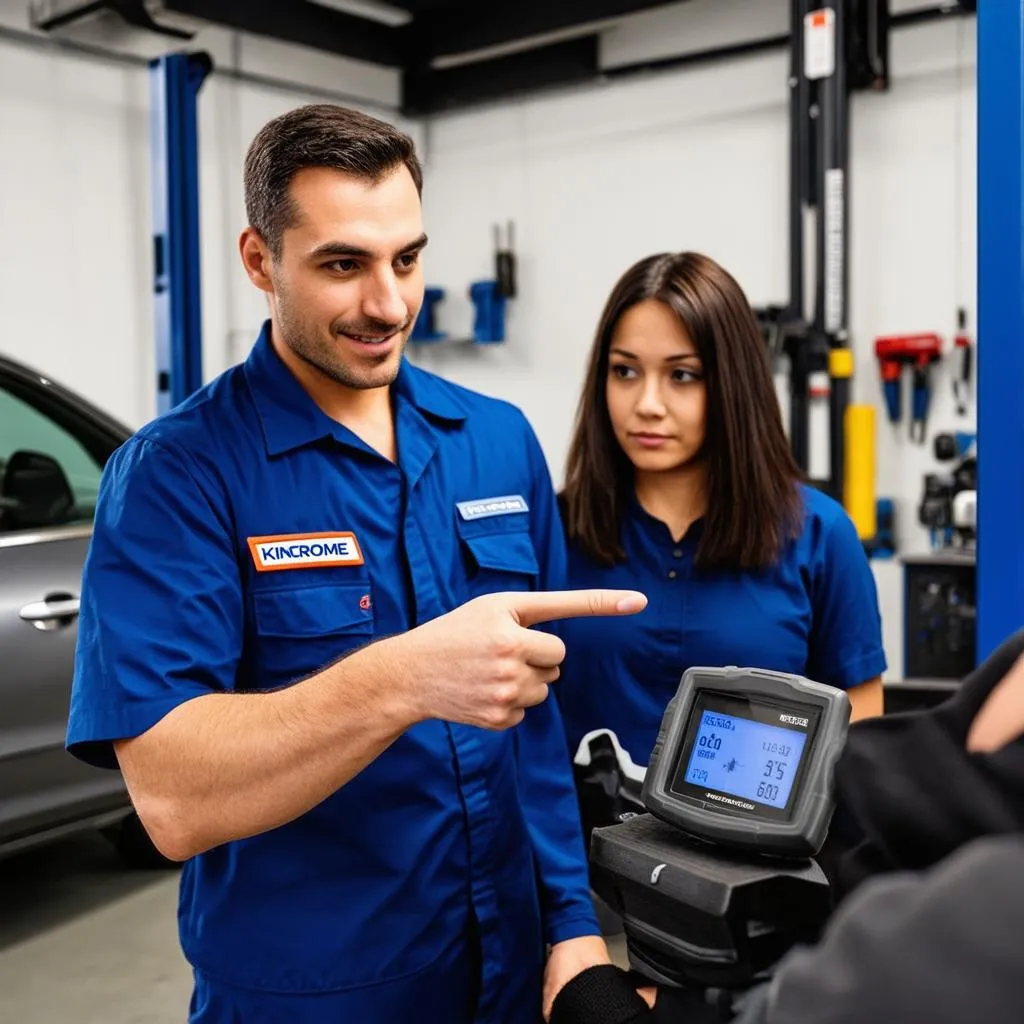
(717,880)
(745,759)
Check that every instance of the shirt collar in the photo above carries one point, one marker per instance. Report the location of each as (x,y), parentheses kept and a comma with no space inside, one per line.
(291,419)
(656,530)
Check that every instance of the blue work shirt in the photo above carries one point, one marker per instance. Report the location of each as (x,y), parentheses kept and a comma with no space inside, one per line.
(814,612)
(457,845)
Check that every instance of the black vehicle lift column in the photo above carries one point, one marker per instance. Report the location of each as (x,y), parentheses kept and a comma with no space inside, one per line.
(836,47)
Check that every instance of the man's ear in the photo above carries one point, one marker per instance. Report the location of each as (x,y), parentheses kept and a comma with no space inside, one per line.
(256,259)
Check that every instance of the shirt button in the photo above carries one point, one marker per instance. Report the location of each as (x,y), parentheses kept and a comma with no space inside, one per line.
(678,553)
(672,574)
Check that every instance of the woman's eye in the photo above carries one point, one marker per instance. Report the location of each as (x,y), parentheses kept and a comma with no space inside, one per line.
(685,376)
(623,372)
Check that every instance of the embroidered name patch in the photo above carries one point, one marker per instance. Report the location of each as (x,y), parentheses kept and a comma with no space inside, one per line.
(304,551)
(484,507)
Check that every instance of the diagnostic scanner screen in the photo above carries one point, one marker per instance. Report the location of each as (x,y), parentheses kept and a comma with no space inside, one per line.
(739,754)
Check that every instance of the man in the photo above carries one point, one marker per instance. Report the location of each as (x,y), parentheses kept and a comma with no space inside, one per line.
(366,836)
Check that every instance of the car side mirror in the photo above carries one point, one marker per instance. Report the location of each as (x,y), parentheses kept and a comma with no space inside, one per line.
(34,492)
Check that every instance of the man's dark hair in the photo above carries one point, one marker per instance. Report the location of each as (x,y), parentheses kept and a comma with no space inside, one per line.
(754,505)
(318,135)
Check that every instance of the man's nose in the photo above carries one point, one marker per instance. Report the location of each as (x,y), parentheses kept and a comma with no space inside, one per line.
(382,299)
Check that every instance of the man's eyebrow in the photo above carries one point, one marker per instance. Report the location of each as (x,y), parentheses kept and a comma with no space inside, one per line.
(342,250)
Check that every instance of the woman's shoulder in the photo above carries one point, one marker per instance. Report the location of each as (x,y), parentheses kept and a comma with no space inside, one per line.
(822,513)
(829,535)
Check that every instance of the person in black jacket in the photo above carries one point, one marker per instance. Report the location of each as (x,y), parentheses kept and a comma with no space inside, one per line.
(926,857)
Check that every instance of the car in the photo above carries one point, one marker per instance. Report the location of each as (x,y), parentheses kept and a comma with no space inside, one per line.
(53,447)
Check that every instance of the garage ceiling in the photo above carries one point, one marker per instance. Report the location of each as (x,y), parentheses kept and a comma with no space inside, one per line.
(451,52)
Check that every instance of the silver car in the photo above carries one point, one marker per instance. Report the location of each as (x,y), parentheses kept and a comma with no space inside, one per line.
(53,446)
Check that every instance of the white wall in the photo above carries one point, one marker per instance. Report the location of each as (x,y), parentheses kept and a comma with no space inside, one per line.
(595,178)
(76,291)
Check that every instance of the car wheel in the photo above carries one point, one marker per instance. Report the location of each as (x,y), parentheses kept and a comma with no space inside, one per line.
(135,848)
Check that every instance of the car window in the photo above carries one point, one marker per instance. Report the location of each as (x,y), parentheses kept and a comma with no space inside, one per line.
(47,478)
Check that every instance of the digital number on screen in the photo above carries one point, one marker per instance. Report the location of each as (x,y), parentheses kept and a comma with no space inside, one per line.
(745,758)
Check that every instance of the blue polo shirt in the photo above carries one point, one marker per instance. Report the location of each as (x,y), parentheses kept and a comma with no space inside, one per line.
(433,879)
(815,612)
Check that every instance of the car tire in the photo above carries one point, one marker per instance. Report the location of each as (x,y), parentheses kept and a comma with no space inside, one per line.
(135,848)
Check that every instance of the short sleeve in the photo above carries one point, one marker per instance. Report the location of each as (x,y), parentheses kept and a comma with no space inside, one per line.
(161,608)
(846,630)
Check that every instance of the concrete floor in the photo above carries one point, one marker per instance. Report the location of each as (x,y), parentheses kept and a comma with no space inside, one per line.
(84,940)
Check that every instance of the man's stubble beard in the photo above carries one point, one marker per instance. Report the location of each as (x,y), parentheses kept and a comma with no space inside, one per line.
(306,342)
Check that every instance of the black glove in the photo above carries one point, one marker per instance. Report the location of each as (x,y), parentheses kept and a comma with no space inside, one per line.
(607,995)
(600,995)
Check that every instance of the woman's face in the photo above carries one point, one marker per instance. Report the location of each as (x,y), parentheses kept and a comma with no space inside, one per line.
(655,390)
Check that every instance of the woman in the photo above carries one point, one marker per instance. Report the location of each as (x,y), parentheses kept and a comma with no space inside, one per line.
(680,483)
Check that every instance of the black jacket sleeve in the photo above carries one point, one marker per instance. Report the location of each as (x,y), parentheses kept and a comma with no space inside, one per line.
(941,947)
(909,793)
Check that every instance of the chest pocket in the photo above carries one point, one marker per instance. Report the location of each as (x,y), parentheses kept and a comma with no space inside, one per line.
(300,630)
(498,553)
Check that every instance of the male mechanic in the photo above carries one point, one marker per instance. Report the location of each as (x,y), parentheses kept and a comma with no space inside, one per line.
(366,836)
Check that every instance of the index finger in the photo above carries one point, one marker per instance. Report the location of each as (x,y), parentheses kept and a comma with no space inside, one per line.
(542,606)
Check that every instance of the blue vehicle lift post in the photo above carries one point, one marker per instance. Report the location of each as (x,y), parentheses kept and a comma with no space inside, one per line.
(1000,564)
(175,81)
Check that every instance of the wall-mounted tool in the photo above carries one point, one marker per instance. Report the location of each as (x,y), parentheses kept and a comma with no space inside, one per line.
(918,351)
(883,544)
(425,328)
(504,262)
(962,342)
(489,321)
(488,298)
(949,500)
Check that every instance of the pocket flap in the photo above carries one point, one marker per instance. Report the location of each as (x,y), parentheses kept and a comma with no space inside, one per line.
(504,552)
(315,611)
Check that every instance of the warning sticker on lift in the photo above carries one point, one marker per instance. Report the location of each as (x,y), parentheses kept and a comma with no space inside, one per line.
(820,43)
(835,229)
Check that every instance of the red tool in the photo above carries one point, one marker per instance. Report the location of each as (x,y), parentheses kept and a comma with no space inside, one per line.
(918,351)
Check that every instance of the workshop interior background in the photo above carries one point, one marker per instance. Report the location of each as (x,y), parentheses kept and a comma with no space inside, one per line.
(593,177)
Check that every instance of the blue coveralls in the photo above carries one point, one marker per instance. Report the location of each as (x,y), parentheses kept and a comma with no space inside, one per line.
(815,613)
(430,883)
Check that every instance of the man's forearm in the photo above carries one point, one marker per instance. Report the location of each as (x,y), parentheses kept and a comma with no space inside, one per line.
(228,766)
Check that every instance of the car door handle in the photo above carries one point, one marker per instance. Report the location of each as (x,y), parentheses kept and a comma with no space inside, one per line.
(54,611)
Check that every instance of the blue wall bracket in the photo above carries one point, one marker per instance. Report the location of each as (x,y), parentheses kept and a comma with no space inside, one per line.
(175,81)
(425,328)
(1000,380)
(488,318)
(489,303)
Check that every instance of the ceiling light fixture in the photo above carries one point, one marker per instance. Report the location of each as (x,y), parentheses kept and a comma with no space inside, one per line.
(372,10)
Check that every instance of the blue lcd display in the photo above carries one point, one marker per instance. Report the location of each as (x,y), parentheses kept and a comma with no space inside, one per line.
(745,758)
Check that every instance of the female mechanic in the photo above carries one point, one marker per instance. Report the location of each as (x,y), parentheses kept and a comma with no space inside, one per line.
(680,483)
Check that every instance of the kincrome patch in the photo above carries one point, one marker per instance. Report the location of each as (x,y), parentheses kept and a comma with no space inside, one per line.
(304,551)
(484,507)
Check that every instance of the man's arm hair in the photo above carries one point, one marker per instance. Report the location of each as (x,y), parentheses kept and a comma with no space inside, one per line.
(230,765)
